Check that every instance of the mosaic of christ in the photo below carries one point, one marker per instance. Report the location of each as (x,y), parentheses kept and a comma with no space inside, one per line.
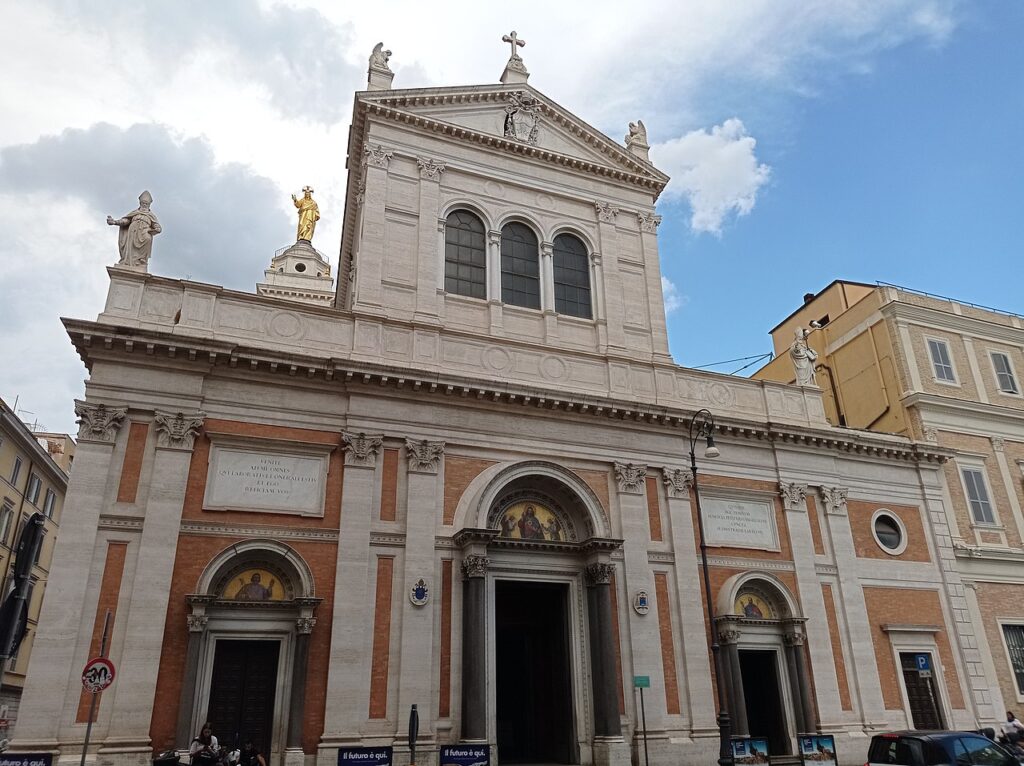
(253,585)
(531,521)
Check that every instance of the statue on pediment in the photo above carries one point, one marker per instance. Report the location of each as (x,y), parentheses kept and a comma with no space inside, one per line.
(309,214)
(135,233)
(803,357)
(379,58)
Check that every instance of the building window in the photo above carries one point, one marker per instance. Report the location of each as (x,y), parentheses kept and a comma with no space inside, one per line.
(1004,373)
(520,266)
(49,503)
(34,486)
(6,516)
(889,532)
(1013,635)
(16,472)
(572,277)
(941,363)
(465,255)
(977,496)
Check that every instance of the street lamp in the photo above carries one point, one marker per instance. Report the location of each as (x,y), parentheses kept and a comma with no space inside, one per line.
(702,426)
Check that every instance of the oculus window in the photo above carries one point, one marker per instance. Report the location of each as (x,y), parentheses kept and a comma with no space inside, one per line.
(465,255)
(520,266)
(941,363)
(977,496)
(889,532)
(572,277)
(1004,373)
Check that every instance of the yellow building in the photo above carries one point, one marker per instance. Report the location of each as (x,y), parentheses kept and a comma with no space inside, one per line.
(32,478)
(944,372)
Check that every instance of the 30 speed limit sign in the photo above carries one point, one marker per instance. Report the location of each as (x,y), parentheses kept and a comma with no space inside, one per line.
(98,674)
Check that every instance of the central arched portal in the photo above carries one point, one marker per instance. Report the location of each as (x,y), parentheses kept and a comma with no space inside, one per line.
(539,659)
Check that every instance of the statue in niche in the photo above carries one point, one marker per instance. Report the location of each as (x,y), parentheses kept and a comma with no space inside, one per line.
(380,57)
(135,233)
(309,214)
(803,357)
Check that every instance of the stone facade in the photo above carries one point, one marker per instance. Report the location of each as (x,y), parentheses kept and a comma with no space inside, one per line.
(388,454)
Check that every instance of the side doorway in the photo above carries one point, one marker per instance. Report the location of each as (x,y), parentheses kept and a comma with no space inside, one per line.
(922,691)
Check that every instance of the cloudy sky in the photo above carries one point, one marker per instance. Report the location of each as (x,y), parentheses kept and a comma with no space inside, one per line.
(808,140)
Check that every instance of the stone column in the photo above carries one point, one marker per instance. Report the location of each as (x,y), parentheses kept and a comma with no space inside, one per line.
(349,662)
(608,238)
(370,258)
(648,223)
(474,648)
(135,696)
(430,260)
(547,291)
(693,618)
(494,281)
(602,650)
(728,641)
(802,689)
(52,684)
(297,699)
(423,514)
(196,630)
(796,688)
(597,290)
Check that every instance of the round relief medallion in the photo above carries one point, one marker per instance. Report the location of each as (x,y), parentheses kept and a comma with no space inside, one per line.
(285,325)
(552,368)
(545,201)
(494,189)
(497,359)
(720,394)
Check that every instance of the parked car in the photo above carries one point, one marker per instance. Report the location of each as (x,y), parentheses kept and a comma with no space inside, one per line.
(937,748)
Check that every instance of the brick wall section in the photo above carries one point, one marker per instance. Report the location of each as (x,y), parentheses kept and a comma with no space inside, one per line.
(618,647)
(837,646)
(815,522)
(131,468)
(381,638)
(902,606)
(195,552)
(653,508)
(668,644)
(458,473)
(110,589)
(598,483)
(196,488)
(860,513)
(980,445)
(389,486)
(444,697)
(709,481)
(1001,601)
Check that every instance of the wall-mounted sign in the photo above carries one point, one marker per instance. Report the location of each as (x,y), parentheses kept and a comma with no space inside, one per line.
(641,682)
(419,594)
(379,756)
(641,602)
(256,479)
(740,523)
(465,755)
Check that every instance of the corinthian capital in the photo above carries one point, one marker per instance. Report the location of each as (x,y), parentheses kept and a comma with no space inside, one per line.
(361,449)
(630,477)
(430,169)
(98,422)
(474,566)
(423,456)
(834,499)
(599,574)
(677,481)
(177,430)
(606,212)
(793,495)
(377,157)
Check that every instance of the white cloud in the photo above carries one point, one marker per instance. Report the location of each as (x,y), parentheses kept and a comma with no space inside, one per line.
(672,297)
(716,171)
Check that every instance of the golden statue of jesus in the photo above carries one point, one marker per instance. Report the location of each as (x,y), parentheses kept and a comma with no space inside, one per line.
(309,214)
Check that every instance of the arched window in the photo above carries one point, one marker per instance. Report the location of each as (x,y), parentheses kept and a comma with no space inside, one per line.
(520,266)
(572,277)
(465,255)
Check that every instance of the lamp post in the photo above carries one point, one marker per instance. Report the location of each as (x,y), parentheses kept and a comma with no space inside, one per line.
(702,426)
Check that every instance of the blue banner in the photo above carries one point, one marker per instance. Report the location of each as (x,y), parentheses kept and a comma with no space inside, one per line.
(378,756)
(26,759)
(465,755)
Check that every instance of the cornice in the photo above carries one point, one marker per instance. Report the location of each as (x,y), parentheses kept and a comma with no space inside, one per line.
(210,353)
(975,409)
(898,310)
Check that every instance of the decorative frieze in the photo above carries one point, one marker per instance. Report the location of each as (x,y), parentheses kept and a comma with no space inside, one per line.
(648,222)
(377,157)
(430,170)
(630,477)
(606,212)
(474,566)
(304,625)
(599,573)
(834,499)
(98,422)
(177,430)
(677,481)
(423,456)
(196,622)
(360,449)
(793,495)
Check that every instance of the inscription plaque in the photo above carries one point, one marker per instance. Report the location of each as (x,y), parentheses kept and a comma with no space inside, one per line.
(740,523)
(253,479)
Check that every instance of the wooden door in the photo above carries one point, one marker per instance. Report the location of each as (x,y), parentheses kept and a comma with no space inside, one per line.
(922,693)
(242,692)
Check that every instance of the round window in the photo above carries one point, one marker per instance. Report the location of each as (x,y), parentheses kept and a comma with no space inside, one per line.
(889,532)
(300,267)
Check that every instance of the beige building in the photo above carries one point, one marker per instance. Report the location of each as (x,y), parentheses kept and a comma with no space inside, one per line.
(942,372)
(32,478)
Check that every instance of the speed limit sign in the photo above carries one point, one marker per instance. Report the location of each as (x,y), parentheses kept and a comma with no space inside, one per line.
(98,674)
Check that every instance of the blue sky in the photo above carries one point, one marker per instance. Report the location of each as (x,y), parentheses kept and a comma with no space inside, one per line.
(910,173)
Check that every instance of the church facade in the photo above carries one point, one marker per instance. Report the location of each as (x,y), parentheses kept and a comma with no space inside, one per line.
(464,485)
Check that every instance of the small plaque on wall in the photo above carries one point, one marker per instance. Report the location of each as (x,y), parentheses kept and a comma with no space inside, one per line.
(740,523)
(245,478)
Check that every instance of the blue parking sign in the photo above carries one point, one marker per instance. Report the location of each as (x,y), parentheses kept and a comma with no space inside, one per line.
(924,661)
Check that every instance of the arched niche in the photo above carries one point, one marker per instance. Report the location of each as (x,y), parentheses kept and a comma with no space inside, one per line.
(292,578)
(756,595)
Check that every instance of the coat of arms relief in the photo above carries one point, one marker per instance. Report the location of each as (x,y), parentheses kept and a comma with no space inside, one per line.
(522,118)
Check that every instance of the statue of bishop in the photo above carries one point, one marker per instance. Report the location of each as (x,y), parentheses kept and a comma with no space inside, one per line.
(309,214)
(135,234)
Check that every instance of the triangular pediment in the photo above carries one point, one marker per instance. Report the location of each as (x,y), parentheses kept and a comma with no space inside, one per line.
(515,117)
